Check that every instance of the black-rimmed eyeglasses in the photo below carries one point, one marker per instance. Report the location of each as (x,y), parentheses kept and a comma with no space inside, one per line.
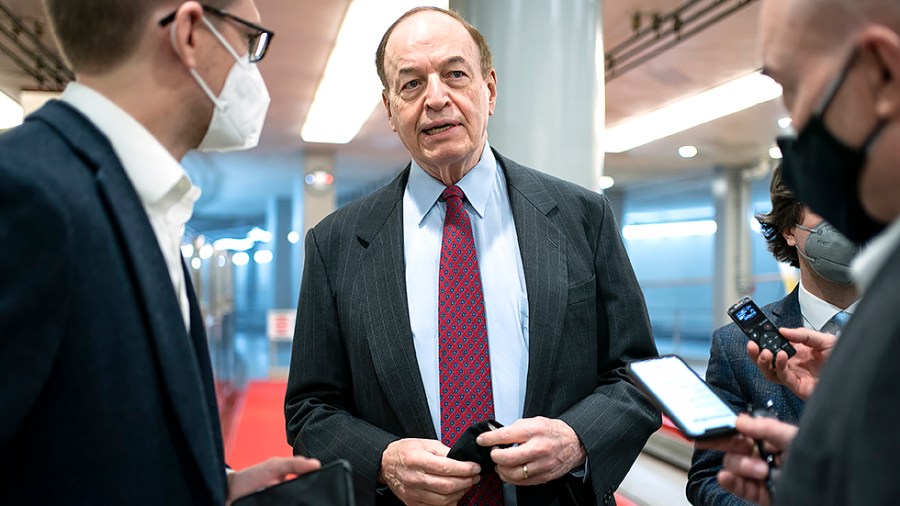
(258,40)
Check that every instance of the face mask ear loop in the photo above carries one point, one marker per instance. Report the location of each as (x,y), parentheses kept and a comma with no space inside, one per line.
(222,40)
(836,85)
(206,89)
(808,259)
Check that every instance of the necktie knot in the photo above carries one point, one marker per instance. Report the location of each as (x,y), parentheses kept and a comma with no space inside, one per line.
(452,192)
(837,323)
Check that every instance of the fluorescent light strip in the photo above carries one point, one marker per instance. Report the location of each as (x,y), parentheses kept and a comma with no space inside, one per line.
(668,230)
(729,98)
(350,88)
(11,113)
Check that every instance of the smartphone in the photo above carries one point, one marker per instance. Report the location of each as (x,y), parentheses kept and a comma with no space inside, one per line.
(331,484)
(757,327)
(683,396)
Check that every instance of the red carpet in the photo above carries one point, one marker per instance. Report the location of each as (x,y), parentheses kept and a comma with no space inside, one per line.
(257,431)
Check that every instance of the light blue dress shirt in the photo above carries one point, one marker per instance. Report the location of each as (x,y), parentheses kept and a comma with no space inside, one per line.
(503,280)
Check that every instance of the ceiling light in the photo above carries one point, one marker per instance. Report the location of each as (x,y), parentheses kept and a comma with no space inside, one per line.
(729,98)
(11,113)
(196,263)
(206,251)
(784,122)
(187,250)
(606,182)
(350,88)
(668,230)
(293,237)
(687,151)
(263,257)
(775,153)
(240,258)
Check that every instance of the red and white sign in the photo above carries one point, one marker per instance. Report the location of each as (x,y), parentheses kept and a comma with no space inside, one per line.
(280,324)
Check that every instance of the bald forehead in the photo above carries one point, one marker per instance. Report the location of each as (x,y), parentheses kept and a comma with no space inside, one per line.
(425,30)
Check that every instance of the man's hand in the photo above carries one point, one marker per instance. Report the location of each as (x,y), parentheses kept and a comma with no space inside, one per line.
(547,448)
(266,474)
(744,472)
(800,373)
(418,472)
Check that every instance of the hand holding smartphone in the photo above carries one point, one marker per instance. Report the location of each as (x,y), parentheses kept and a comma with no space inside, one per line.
(683,396)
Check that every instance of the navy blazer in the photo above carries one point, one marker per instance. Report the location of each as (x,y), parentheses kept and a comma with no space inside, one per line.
(106,398)
(739,382)
(355,384)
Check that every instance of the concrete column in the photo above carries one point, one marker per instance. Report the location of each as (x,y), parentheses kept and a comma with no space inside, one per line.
(548,55)
(732,274)
(616,198)
(297,225)
(279,218)
(319,200)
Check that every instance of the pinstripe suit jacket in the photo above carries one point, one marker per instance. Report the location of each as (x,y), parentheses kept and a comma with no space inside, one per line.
(739,382)
(355,385)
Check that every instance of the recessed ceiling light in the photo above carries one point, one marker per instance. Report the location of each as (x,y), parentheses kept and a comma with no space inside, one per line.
(729,98)
(687,151)
(784,122)
(775,153)
(606,182)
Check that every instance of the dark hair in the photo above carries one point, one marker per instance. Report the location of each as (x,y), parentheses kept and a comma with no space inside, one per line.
(484,51)
(786,212)
(96,35)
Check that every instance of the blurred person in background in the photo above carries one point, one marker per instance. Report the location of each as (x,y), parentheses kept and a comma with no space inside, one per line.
(823,300)
(839,64)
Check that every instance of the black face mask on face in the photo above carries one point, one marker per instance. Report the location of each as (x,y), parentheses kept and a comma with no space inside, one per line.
(824,172)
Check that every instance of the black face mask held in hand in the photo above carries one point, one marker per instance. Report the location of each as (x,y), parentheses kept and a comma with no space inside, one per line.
(824,172)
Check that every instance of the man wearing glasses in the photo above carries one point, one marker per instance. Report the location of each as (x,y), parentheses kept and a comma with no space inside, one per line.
(105,382)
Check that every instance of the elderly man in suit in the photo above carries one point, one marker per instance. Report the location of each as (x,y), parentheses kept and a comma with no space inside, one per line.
(469,288)
(823,300)
(105,380)
(839,63)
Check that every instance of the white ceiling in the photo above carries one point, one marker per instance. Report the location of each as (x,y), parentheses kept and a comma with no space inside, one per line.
(305,32)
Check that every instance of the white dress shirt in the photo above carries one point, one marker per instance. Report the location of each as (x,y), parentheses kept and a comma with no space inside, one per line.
(503,280)
(161,183)
(816,312)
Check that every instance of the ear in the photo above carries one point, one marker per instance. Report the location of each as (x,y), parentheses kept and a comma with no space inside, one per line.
(884,44)
(387,107)
(492,91)
(181,32)
(789,237)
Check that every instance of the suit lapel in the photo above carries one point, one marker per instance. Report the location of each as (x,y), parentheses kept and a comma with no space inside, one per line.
(787,313)
(176,356)
(543,249)
(380,232)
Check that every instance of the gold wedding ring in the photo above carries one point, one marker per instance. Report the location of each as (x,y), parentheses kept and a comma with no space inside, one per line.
(524,472)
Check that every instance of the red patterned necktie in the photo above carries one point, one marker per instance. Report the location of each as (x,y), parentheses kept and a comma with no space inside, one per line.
(465,363)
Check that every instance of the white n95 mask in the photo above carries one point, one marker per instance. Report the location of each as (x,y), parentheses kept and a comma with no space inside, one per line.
(240,109)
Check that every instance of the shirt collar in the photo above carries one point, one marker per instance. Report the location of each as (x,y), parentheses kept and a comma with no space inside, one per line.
(816,311)
(477,184)
(150,167)
(867,264)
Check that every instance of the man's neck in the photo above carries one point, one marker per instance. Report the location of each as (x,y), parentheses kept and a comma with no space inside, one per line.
(837,294)
(155,114)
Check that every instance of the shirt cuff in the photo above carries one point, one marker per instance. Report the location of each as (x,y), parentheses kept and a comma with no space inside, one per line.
(581,472)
